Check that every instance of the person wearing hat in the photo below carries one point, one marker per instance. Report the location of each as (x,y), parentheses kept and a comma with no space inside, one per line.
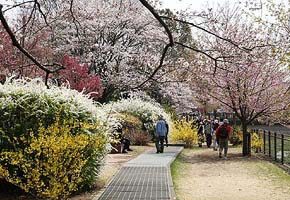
(222,135)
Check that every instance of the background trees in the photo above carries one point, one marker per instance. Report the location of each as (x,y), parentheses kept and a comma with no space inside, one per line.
(251,81)
(131,45)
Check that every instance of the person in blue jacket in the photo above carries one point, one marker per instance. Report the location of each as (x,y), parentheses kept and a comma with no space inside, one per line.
(160,134)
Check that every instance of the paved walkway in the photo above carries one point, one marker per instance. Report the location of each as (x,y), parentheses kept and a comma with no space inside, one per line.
(146,177)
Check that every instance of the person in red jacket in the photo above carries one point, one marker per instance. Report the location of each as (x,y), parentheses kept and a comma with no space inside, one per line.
(222,135)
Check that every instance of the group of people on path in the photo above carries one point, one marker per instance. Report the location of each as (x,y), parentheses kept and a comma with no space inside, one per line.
(216,132)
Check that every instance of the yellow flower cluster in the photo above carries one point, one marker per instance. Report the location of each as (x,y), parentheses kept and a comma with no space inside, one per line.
(256,141)
(183,131)
(52,162)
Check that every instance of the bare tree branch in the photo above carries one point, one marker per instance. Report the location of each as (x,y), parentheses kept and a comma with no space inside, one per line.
(24,51)
(75,21)
(206,54)
(42,14)
(157,68)
(170,37)
(207,31)
(160,20)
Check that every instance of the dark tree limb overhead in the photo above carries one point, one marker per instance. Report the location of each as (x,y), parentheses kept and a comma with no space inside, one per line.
(23,50)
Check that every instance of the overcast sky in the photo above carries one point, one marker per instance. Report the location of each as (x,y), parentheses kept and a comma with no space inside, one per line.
(193,4)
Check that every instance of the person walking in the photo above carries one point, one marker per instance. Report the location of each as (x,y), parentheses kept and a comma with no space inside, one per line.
(161,131)
(222,134)
(200,134)
(214,127)
(166,135)
(208,133)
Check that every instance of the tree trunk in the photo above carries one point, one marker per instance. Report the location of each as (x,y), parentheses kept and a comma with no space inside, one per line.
(246,151)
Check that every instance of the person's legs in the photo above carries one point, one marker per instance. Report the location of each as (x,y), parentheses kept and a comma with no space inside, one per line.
(157,145)
(221,147)
(166,140)
(127,144)
(214,142)
(162,144)
(208,140)
(226,148)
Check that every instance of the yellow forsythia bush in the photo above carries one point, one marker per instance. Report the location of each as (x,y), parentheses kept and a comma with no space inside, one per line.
(183,131)
(54,162)
(256,141)
(236,137)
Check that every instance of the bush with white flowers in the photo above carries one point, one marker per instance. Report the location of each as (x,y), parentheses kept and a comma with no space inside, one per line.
(146,111)
(53,141)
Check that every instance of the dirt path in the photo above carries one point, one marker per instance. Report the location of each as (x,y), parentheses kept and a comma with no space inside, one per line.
(203,176)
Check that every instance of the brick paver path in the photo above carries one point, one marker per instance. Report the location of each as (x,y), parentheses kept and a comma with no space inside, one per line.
(146,177)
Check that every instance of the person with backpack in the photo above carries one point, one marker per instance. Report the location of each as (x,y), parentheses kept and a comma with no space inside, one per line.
(161,133)
(222,135)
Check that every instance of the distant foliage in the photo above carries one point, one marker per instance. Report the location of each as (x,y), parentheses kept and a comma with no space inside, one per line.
(79,78)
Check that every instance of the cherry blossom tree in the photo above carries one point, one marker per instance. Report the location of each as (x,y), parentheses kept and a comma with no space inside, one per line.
(250,83)
(121,41)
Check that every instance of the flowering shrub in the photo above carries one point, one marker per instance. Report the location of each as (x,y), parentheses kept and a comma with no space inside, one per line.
(54,162)
(52,141)
(146,111)
(79,77)
(236,137)
(256,142)
(183,132)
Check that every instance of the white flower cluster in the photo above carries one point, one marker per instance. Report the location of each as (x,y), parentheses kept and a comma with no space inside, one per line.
(18,92)
(147,111)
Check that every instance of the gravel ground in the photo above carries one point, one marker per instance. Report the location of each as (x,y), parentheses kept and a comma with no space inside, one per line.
(203,176)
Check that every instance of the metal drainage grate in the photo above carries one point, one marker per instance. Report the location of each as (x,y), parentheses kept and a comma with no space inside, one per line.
(136,183)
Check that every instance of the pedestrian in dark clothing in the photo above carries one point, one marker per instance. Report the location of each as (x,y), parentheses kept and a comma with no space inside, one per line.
(222,134)
(208,133)
(125,142)
(166,136)
(160,134)
(200,133)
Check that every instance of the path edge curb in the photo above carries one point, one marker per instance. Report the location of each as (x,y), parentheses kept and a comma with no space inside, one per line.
(170,181)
